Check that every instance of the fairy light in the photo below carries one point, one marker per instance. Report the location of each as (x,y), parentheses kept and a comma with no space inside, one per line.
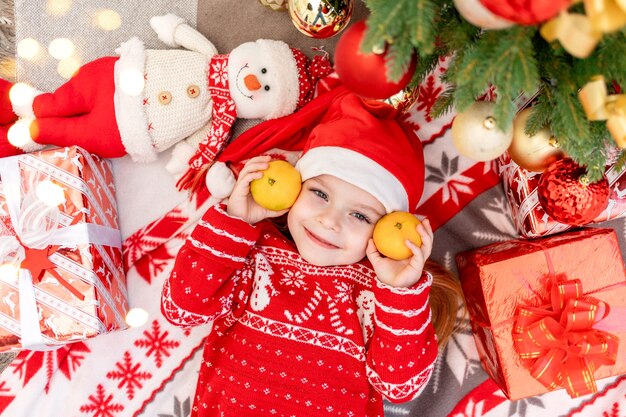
(136,317)
(67,67)
(108,19)
(50,193)
(61,48)
(58,7)
(8,273)
(131,82)
(28,49)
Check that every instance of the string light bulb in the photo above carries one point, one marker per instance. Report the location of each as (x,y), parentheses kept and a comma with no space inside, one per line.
(61,48)
(28,49)
(58,7)
(67,67)
(8,273)
(108,19)
(50,193)
(136,317)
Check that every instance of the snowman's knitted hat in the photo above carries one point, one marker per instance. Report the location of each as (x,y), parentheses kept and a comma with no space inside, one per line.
(339,134)
(299,78)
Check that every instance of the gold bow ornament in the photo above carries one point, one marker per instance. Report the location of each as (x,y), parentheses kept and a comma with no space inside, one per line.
(580,33)
(599,105)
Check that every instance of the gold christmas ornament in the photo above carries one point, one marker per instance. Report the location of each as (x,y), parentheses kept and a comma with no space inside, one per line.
(533,153)
(278,5)
(476,134)
(320,18)
(404,99)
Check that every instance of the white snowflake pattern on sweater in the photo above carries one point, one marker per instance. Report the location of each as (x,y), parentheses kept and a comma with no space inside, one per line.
(290,338)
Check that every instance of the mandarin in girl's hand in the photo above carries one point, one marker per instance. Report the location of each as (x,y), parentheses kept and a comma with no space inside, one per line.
(279,187)
(392,230)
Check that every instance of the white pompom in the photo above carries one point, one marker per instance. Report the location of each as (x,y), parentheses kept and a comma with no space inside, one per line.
(220,180)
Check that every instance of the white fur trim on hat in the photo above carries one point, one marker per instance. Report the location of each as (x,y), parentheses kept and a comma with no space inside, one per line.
(358,170)
(281,56)
(24,106)
(220,180)
(19,136)
(165,27)
(131,118)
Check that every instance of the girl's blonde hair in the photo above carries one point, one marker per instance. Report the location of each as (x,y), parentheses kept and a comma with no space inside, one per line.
(446,297)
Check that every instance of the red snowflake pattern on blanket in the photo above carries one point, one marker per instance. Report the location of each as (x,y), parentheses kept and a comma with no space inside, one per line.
(31,390)
(157,343)
(101,404)
(129,374)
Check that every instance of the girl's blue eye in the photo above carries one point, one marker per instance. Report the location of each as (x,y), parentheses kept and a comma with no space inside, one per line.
(361,217)
(320,194)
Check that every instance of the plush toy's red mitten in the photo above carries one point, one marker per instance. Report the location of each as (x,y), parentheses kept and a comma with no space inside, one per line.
(6,149)
(7,115)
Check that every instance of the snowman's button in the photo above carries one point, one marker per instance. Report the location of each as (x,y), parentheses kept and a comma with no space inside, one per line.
(193,90)
(165,97)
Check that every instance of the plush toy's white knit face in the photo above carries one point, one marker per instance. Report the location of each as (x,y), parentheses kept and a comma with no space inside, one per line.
(263,79)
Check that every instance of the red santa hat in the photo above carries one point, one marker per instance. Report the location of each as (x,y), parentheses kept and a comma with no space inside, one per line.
(339,134)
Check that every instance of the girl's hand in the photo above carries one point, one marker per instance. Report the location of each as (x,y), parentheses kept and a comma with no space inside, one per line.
(407,272)
(241,204)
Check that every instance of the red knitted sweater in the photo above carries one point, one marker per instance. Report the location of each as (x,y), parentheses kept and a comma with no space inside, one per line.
(290,338)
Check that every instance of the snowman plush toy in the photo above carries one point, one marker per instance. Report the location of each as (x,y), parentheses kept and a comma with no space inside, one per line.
(145,101)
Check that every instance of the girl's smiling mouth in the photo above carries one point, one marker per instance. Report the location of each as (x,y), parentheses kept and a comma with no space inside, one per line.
(320,241)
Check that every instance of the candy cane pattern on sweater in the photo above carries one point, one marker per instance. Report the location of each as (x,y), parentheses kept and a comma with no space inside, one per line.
(329,340)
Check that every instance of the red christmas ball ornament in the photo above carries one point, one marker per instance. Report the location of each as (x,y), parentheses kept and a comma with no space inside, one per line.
(366,73)
(566,195)
(529,12)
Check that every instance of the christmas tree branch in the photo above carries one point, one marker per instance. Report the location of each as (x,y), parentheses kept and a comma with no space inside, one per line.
(511,61)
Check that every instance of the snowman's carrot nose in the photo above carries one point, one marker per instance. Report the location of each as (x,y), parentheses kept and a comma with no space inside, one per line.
(251,82)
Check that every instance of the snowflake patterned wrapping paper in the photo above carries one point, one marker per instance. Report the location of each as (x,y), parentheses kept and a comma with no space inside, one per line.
(499,279)
(82,291)
(530,219)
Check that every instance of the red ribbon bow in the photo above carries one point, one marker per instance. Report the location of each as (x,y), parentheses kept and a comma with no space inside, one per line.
(562,341)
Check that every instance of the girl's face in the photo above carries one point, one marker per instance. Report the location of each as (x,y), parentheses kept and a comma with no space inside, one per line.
(332,221)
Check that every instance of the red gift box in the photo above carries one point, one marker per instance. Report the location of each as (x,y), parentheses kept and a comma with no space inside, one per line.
(62,278)
(529,217)
(506,283)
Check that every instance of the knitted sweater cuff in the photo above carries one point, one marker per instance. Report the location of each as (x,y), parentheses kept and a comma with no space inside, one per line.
(221,236)
(404,311)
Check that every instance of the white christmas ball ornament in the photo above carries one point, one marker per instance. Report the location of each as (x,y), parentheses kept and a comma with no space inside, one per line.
(478,15)
(476,135)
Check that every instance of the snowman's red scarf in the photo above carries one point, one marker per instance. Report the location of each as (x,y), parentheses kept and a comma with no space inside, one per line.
(223,113)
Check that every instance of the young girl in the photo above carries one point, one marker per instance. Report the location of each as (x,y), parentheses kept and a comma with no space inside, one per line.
(320,323)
